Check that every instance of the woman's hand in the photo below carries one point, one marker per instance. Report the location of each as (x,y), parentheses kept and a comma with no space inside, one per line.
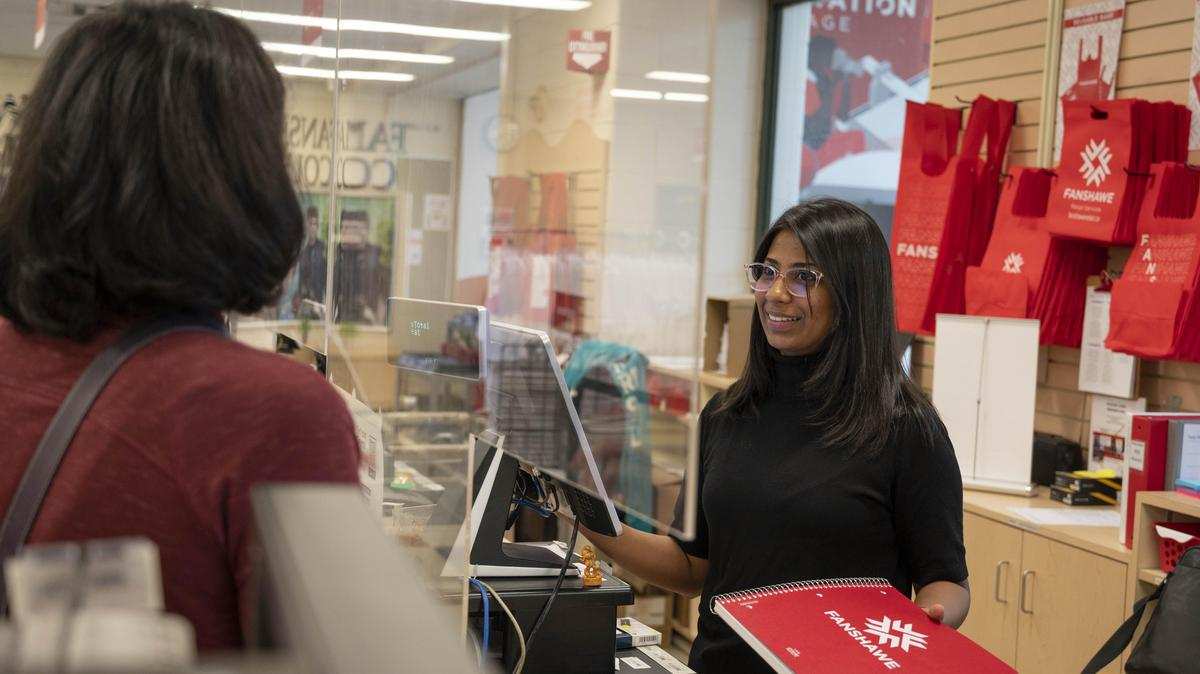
(945,602)
(936,612)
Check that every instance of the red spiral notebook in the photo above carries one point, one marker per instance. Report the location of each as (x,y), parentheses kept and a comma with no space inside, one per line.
(848,625)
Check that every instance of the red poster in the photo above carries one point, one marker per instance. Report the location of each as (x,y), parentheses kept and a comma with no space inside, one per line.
(864,59)
(588,50)
(39,25)
(312,34)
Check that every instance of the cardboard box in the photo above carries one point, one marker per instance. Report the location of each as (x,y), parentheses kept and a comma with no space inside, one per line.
(736,312)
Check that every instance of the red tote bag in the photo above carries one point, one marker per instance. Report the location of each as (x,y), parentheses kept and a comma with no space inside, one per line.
(1152,296)
(1000,119)
(1007,278)
(1097,148)
(932,200)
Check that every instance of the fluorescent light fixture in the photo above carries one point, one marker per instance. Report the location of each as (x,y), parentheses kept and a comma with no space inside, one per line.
(332,24)
(562,5)
(366,54)
(326,74)
(375,75)
(643,94)
(680,97)
(669,76)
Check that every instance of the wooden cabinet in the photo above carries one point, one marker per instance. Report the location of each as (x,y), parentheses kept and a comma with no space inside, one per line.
(1043,599)
(1069,602)
(993,562)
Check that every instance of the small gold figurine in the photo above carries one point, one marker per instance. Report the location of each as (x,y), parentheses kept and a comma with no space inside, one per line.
(591,568)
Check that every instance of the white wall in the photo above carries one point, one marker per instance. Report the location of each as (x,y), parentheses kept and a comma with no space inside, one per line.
(474,192)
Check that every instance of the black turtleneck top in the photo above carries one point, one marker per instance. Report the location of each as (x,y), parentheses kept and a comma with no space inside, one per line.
(777,506)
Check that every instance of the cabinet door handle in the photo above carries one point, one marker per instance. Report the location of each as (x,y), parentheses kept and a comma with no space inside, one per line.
(1024,592)
(1000,568)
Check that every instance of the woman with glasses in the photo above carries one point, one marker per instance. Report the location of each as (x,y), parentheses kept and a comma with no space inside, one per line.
(824,460)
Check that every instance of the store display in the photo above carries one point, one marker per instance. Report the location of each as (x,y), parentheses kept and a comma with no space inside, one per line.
(937,220)
(984,388)
(1154,301)
(1027,273)
(851,624)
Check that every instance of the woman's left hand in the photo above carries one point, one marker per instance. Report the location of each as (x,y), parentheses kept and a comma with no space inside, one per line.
(935,612)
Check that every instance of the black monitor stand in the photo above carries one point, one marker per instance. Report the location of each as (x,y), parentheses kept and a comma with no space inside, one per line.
(492,556)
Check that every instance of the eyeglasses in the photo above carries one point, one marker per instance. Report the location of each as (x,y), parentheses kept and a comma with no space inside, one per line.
(797,281)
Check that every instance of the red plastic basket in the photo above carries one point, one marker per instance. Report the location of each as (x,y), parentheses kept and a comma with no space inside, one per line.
(1169,549)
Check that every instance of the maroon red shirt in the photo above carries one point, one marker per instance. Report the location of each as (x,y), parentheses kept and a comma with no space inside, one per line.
(170,451)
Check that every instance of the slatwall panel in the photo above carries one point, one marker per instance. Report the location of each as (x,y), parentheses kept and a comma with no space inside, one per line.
(997,48)
(988,46)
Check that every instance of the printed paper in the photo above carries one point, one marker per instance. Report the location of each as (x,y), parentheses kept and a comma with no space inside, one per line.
(1112,423)
(1100,370)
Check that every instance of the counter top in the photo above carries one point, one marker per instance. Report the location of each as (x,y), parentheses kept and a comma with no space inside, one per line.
(1099,540)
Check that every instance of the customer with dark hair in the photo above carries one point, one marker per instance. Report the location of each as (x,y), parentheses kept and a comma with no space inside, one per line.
(150,180)
(823,460)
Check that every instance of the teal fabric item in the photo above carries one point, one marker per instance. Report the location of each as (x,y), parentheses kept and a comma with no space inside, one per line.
(626,368)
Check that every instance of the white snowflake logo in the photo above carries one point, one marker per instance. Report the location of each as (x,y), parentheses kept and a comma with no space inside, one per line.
(893,633)
(1013,263)
(1094,168)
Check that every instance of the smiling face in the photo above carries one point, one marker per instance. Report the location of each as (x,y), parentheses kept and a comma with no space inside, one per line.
(795,326)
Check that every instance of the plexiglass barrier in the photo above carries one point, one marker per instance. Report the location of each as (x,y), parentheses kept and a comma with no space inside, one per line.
(548,161)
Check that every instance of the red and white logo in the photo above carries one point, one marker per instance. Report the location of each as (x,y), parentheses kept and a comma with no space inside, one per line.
(1094,167)
(1013,263)
(895,634)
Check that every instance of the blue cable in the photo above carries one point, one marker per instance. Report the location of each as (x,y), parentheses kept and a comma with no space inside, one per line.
(487,618)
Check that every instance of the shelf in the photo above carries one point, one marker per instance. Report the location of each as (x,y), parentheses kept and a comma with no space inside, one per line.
(1176,503)
(1152,576)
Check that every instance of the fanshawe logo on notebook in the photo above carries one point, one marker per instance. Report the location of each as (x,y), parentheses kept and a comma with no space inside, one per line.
(890,634)
(1013,263)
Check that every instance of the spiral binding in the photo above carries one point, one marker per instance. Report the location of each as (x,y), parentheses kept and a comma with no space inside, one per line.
(784,588)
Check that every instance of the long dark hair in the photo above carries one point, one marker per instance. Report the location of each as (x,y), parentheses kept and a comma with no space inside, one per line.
(150,175)
(857,388)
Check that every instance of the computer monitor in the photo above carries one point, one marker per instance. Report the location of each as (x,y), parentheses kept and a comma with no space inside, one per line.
(529,404)
(440,338)
(333,593)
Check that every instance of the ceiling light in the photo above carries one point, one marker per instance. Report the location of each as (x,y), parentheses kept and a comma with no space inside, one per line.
(333,24)
(686,98)
(376,75)
(367,54)
(643,94)
(563,5)
(326,74)
(698,78)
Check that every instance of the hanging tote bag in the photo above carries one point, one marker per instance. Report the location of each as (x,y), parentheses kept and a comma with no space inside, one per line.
(1098,152)
(1150,299)
(932,214)
(1001,117)
(1007,278)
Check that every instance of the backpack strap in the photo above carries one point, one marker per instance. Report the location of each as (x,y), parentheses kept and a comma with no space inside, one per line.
(1120,639)
(35,482)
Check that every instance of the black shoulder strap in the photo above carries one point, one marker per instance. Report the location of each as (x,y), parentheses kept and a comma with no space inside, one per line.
(1124,634)
(27,500)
